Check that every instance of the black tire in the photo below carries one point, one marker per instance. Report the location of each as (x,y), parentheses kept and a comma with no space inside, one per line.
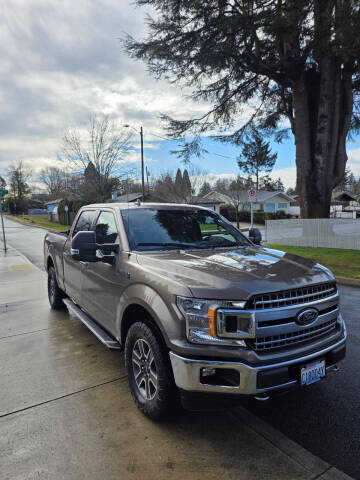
(55,293)
(156,396)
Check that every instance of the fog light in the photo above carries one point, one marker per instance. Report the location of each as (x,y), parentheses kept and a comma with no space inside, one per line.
(207,372)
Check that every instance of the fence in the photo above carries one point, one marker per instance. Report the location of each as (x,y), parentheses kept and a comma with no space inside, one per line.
(321,232)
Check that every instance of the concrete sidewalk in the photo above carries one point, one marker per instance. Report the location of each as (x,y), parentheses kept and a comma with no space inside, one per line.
(66,411)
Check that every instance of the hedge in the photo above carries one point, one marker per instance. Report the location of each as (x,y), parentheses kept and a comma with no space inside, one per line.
(229,212)
(74,207)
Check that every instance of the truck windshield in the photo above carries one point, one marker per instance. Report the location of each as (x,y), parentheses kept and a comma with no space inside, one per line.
(162,229)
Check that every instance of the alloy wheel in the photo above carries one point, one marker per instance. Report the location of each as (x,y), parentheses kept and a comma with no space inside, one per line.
(144,369)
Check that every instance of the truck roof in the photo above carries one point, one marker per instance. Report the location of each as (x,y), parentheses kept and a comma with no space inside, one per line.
(132,205)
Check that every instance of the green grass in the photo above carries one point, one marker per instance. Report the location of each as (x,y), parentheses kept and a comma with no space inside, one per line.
(39,221)
(343,263)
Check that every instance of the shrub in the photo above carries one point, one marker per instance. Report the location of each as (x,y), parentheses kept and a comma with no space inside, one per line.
(74,207)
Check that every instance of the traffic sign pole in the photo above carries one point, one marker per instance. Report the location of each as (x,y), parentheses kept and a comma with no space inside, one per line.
(252,199)
(2,223)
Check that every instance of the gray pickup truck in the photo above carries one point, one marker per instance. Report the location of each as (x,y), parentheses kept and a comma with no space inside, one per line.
(199,309)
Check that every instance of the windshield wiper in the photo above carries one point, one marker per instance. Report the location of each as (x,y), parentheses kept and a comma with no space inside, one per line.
(226,245)
(167,244)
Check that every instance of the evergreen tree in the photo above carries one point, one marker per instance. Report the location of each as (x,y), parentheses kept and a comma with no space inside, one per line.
(205,189)
(178,184)
(2,182)
(256,157)
(297,61)
(186,186)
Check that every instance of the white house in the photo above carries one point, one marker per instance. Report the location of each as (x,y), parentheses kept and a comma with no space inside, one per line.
(267,201)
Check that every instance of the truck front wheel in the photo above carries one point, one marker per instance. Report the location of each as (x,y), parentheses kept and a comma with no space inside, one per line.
(149,375)
(55,293)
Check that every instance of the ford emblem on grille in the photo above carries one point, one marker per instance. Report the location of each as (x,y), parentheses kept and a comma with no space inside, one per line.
(307,316)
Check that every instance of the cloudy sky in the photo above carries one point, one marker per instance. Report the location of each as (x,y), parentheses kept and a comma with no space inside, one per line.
(61,61)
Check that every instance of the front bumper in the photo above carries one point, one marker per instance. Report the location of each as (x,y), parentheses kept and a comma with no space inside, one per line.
(246,379)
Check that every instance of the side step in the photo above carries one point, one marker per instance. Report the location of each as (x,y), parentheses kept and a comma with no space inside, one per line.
(99,332)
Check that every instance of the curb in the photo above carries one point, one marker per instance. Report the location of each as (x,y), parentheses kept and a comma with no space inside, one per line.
(47,229)
(352,282)
(311,463)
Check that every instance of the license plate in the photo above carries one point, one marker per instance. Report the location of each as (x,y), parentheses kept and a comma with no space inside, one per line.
(313,373)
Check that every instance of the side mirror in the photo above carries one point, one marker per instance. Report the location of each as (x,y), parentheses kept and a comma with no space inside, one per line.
(255,236)
(83,247)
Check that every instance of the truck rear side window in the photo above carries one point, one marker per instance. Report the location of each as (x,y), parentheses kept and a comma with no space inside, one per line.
(85,221)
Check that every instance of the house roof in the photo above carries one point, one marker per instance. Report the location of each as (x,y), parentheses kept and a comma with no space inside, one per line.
(242,196)
(53,201)
(205,201)
(129,197)
(132,197)
(342,196)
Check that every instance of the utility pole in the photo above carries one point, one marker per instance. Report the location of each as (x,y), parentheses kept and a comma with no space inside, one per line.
(142,159)
(147,179)
(3,192)
(142,164)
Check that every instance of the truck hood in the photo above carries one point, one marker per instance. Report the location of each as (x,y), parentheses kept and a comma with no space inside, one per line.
(235,274)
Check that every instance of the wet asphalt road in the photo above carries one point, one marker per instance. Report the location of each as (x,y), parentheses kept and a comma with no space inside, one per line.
(324,418)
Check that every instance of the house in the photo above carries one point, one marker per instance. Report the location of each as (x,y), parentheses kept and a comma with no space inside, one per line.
(342,198)
(266,201)
(208,203)
(52,209)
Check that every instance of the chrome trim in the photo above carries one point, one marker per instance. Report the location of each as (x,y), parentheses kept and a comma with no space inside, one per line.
(221,315)
(292,338)
(187,372)
(290,299)
(295,306)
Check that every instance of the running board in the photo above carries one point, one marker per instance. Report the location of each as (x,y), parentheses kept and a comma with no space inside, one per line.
(99,332)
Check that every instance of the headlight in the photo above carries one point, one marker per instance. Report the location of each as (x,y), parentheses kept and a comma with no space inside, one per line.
(200,316)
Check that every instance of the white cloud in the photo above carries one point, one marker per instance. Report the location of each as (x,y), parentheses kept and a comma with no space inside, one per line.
(354,161)
(287,175)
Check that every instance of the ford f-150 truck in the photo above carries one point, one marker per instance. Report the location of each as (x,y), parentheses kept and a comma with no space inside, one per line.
(198,308)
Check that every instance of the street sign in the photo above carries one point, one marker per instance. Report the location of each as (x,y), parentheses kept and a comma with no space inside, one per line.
(3,192)
(252,195)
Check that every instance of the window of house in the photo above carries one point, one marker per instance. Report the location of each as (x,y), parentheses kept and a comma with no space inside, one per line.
(282,206)
(270,207)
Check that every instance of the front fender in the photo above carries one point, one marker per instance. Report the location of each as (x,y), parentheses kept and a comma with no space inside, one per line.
(164,313)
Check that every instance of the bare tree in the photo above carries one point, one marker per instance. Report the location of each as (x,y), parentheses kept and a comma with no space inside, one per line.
(54,178)
(19,175)
(236,194)
(100,155)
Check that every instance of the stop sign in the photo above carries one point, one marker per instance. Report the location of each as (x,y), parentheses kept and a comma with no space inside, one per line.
(252,195)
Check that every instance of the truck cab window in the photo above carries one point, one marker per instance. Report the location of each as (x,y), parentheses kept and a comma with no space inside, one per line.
(85,221)
(106,230)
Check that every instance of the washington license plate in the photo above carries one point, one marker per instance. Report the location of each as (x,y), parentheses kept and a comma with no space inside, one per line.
(313,373)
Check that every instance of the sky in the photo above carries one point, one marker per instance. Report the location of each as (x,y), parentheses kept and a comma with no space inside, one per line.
(61,61)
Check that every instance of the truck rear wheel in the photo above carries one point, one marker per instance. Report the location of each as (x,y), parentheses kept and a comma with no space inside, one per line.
(55,293)
(149,373)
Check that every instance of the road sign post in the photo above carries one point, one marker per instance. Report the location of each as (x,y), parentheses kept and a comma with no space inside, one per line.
(252,199)
(2,218)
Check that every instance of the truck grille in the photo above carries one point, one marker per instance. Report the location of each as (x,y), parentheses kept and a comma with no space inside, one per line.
(295,296)
(284,340)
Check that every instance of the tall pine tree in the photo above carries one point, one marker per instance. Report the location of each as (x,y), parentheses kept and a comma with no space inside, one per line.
(256,157)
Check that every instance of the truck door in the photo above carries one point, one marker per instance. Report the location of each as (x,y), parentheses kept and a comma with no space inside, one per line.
(73,269)
(103,283)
